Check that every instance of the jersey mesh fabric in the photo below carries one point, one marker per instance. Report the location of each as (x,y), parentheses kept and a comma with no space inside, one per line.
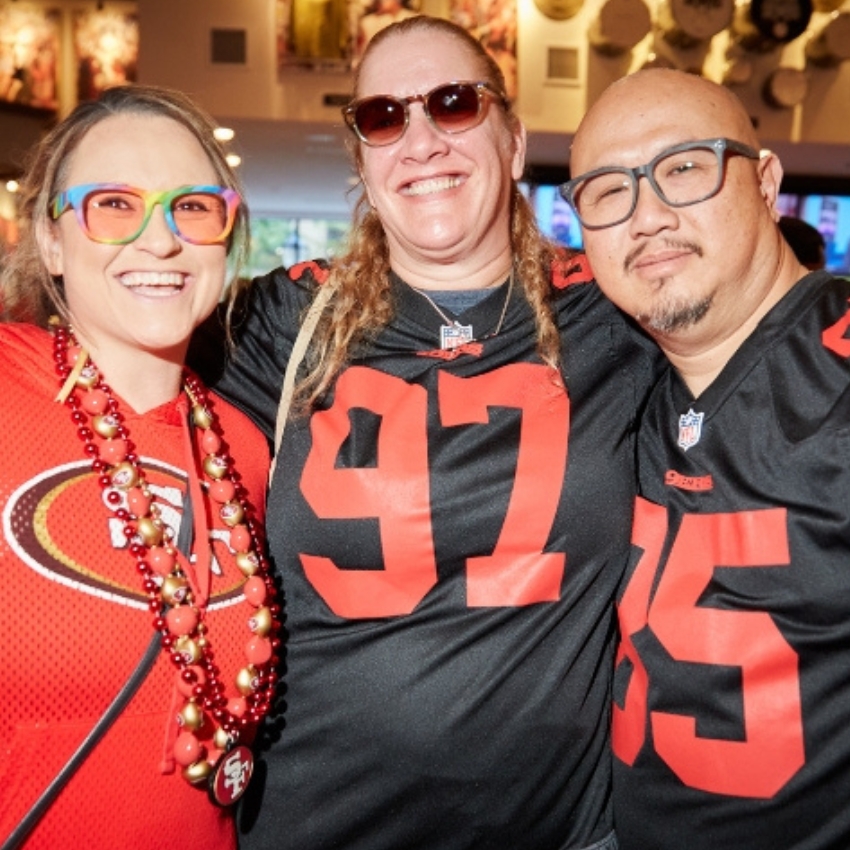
(75,622)
(733,721)
(450,532)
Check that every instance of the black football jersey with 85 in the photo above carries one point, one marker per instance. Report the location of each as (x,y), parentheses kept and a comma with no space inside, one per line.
(732,692)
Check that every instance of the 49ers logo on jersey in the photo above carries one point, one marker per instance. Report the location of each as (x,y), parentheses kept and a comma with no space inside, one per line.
(42,525)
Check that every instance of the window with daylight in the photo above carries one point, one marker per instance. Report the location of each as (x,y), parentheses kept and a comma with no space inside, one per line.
(286,241)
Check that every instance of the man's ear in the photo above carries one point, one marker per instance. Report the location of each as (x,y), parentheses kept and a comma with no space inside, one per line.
(49,246)
(770,178)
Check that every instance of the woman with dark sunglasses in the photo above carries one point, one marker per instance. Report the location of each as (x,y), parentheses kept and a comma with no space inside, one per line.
(451,505)
(139,621)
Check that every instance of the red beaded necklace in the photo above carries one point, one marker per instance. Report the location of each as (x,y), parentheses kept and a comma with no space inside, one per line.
(177,594)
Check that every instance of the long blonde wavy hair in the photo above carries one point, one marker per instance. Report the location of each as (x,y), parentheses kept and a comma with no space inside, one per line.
(362,305)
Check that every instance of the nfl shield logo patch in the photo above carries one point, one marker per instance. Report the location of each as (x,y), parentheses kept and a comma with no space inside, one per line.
(690,429)
(454,336)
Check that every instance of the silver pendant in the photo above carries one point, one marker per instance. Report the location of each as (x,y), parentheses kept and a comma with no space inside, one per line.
(455,335)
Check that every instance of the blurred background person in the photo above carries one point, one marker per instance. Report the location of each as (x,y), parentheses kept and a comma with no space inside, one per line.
(806,241)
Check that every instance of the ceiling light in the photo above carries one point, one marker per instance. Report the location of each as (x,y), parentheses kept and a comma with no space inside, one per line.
(223,134)
(12,186)
(233,160)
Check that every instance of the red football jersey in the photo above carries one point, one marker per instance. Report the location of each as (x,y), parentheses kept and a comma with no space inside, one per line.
(75,621)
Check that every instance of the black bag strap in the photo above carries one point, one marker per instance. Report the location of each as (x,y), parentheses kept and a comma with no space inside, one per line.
(30,820)
(122,699)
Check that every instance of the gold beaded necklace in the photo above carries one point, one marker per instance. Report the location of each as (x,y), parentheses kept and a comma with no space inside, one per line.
(177,594)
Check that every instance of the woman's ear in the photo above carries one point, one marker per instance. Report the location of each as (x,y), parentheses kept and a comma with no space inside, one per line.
(518,158)
(50,246)
(365,186)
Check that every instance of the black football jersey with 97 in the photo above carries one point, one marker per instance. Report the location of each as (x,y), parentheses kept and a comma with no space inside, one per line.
(450,531)
(732,693)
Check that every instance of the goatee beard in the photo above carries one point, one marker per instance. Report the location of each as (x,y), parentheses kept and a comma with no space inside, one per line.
(669,318)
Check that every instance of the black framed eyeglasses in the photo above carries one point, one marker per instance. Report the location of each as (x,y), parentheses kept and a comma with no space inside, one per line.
(452,108)
(681,175)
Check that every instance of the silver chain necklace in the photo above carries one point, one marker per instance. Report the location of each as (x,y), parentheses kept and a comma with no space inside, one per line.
(453,334)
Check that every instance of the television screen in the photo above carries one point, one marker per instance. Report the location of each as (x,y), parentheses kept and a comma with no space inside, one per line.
(554,216)
(830,214)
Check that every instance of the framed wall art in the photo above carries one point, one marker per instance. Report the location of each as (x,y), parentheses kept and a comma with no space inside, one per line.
(106,50)
(29,56)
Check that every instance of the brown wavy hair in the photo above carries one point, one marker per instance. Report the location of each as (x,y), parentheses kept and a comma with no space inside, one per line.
(28,292)
(362,304)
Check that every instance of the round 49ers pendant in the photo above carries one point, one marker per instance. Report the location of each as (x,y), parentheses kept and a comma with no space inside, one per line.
(230,777)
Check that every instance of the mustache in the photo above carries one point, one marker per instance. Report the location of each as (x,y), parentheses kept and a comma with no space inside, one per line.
(636,253)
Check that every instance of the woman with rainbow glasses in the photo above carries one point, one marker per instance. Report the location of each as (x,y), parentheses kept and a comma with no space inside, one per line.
(139,620)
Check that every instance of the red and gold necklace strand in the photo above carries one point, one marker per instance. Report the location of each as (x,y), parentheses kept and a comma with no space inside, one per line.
(175,600)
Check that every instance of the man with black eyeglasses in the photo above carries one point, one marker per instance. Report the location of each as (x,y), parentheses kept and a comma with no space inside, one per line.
(732,689)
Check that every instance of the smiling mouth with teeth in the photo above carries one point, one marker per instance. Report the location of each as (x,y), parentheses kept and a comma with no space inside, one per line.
(427,187)
(164,280)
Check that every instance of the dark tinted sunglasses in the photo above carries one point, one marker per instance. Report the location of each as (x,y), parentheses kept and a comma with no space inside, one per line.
(451,108)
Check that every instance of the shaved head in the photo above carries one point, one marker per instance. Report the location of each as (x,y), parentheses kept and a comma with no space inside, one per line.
(696,276)
(642,96)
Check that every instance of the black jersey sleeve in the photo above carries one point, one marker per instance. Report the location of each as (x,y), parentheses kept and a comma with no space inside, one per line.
(264,325)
